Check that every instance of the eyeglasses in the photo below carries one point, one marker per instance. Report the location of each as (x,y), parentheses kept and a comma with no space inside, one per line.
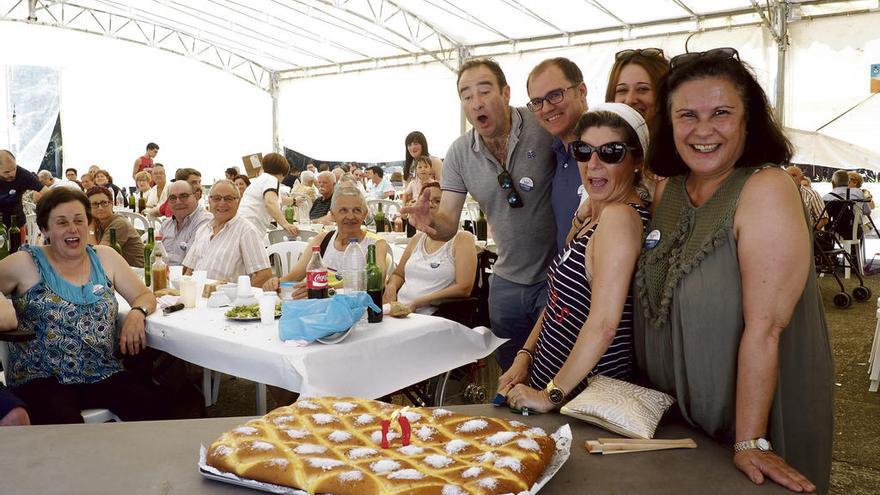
(506,182)
(716,53)
(610,153)
(555,97)
(647,52)
(99,204)
(228,199)
(182,197)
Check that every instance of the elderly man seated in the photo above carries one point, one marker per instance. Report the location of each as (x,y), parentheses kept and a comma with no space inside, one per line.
(811,199)
(49,181)
(179,231)
(842,191)
(228,246)
(320,212)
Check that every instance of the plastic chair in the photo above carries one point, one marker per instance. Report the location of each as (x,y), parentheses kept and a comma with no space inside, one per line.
(136,219)
(288,252)
(88,415)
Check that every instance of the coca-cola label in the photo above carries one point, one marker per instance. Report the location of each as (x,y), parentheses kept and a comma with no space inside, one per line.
(316,279)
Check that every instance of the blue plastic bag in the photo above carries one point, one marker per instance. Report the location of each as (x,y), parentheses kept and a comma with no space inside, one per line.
(311,319)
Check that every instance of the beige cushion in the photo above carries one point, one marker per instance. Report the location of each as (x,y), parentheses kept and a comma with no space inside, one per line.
(621,407)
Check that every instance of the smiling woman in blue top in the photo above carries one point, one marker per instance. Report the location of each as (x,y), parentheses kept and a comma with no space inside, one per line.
(65,292)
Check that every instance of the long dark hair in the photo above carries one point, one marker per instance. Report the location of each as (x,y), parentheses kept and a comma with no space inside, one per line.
(407,162)
(765,141)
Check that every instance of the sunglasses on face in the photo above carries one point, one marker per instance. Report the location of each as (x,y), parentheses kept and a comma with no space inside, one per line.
(647,52)
(610,153)
(716,53)
(506,182)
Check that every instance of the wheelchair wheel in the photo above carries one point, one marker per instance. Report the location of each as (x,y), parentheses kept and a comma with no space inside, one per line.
(861,293)
(842,300)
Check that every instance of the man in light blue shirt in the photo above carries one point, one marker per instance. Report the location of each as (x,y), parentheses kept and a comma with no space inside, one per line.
(378,187)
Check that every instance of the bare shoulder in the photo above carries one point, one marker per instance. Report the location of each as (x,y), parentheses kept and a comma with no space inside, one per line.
(766,191)
(620,215)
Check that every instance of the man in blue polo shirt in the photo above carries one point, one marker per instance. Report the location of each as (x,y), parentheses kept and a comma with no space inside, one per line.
(558,97)
(506,163)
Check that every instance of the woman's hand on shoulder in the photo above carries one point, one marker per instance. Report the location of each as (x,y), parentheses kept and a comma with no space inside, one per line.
(757,464)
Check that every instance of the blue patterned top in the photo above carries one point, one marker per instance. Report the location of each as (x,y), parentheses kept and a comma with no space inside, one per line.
(75,326)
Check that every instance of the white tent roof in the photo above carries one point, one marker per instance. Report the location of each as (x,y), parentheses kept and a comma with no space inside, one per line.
(299,38)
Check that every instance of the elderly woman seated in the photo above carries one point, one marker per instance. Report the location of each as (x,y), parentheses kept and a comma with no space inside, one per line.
(586,327)
(348,209)
(430,269)
(105,223)
(65,293)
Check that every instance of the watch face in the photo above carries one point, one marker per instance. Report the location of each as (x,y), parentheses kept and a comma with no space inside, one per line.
(763,444)
(556,396)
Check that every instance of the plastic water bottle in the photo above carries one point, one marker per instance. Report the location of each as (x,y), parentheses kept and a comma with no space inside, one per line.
(353,269)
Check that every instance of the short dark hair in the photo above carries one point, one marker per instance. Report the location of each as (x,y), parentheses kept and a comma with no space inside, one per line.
(184,173)
(377,170)
(489,64)
(231,171)
(323,168)
(275,164)
(765,141)
(58,196)
(242,177)
(152,146)
(417,137)
(98,190)
(74,171)
(569,69)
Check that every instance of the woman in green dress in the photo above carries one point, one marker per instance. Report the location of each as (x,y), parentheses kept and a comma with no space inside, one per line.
(729,317)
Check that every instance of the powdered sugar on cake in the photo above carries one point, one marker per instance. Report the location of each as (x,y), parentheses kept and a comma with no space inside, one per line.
(438,461)
(324,463)
(339,436)
(455,446)
(406,474)
(472,425)
(344,407)
(361,452)
(309,448)
(500,438)
(384,466)
(323,419)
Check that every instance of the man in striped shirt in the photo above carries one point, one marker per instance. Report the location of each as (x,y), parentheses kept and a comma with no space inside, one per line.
(228,245)
(811,199)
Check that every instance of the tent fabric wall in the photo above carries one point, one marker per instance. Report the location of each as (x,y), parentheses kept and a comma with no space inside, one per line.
(116,97)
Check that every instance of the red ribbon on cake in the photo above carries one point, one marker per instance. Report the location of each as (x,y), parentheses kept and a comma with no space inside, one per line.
(405,428)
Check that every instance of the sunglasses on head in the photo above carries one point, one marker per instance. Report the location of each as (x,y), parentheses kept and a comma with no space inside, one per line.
(506,182)
(716,53)
(610,153)
(647,52)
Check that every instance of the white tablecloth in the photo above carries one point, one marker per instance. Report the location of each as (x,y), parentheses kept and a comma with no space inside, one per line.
(375,359)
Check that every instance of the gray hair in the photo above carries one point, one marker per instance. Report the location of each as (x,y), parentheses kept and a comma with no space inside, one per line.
(840,179)
(348,192)
(225,181)
(327,174)
(45,174)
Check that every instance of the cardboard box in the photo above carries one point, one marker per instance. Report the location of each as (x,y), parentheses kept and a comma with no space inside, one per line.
(253,164)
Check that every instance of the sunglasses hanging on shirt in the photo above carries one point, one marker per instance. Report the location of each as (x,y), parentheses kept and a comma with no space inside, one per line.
(506,182)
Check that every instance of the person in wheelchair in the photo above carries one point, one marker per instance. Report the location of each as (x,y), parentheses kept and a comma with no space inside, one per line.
(430,269)
(843,192)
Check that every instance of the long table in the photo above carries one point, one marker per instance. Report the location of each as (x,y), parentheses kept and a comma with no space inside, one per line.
(161,457)
(375,359)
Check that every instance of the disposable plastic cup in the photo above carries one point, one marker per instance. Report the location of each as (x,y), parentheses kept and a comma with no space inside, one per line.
(267,309)
(201,277)
(244,286)
(175,272)
(188,287)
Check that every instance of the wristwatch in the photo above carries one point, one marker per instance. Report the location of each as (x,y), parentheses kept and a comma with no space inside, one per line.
(554,393)
(761,444)
(142,310)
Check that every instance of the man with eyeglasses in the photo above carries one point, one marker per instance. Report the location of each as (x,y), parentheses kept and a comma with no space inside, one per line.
(228,246)
(506,163)
(179,231)
(557,98)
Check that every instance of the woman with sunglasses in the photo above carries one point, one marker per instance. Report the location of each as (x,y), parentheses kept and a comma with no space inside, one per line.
(729,317)
(586,327)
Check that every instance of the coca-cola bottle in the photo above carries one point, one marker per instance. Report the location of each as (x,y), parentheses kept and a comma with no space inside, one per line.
(316,275)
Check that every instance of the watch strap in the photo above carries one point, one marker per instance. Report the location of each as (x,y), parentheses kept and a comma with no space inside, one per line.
(754,443)
(142,310)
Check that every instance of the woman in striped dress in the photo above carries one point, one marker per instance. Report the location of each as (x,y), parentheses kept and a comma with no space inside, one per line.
(586,327)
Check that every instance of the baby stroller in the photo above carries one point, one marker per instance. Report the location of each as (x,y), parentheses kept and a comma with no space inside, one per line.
(830,252)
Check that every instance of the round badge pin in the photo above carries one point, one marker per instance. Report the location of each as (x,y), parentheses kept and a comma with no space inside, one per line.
(526,184)
(652,239)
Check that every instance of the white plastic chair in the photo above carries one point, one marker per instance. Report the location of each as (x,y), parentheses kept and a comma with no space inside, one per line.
(853,244)
(288,252)
(88,415)
(140,222)
(33,231)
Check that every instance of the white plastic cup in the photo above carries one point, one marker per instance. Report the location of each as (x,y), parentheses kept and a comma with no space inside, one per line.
(244,286)
(188,287)
(267,309)
(201,277)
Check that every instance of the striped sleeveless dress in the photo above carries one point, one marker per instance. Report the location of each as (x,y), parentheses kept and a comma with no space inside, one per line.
(568,306)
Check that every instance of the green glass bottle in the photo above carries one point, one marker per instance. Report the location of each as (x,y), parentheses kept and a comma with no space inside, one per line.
(115,245)
(375,284)
(481,227)
(4,244)
(131,202)
(379,218)
(14,235)
(289,214)
(148,254)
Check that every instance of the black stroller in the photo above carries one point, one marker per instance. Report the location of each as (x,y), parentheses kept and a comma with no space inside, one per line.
(829,252)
